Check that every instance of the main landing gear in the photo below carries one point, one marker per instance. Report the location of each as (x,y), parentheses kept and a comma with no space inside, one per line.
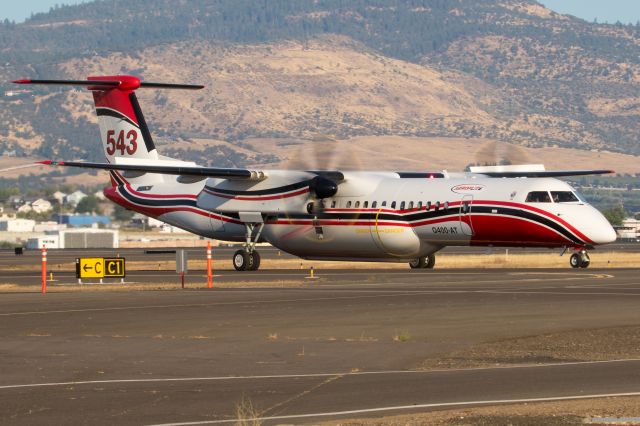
(580,259)
(248,259)
(425,262)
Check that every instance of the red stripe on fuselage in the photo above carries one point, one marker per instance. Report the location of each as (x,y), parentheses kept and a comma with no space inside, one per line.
(509,231)
(487,228)
(155,211)
(536,210)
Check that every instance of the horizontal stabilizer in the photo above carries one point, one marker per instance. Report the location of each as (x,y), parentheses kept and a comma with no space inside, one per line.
(124,83)
(204,172)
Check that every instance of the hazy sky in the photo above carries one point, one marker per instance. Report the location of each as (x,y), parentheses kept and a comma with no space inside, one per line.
(605,10)
(624,11)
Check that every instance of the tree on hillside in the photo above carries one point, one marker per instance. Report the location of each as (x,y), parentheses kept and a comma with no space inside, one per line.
(88,204)
(122,214)
(615,215)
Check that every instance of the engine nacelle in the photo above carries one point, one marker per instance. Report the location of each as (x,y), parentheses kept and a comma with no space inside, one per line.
(323,187)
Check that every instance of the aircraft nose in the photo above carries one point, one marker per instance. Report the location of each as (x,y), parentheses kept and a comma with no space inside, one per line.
(604,235)
(600,230)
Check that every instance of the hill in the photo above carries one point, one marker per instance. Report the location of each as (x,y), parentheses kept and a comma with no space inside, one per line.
(307,71)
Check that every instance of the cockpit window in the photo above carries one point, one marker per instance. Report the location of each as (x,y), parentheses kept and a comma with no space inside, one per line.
(564,197)
(580,197)
(538,197)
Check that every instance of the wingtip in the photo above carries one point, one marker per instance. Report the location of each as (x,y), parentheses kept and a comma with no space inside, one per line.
(50,163)
(22,81)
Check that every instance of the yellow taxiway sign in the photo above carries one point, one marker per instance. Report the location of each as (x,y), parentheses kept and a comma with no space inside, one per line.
(100,267)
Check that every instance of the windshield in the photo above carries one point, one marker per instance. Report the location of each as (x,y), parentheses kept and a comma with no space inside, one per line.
(564,197)
(581,197)
(538,197)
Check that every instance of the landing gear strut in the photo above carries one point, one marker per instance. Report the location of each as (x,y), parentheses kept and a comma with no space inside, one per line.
(425,262)
(248,259)
(580,259)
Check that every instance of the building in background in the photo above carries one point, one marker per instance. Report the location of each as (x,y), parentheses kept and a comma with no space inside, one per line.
(59,197)
(41,205)
(82,219)
(74,198)
(629,230)
(76,239)
(16,225)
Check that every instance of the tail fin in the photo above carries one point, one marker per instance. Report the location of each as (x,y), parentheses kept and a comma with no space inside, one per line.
(123,129)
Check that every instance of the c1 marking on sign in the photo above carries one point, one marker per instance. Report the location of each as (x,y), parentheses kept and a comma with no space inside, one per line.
(100,267)
(90,267)
(114,267)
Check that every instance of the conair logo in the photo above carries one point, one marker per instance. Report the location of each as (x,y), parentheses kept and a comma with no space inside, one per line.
(466,188)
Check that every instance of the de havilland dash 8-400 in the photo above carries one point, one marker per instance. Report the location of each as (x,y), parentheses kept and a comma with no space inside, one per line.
(335,214)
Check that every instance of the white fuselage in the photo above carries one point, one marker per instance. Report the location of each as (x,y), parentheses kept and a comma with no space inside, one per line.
(374,215)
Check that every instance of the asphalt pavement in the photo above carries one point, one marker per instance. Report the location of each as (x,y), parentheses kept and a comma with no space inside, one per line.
(348,344)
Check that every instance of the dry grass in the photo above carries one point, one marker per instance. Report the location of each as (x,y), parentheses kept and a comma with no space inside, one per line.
(566,346)
(272,337)
(541,413)
(498,259)
(402,336)
(246,413)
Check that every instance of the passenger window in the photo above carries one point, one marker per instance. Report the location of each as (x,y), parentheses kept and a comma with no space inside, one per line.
(410,205)
(419,205)
(374,204)
(564,197)
(357,204)
(428,205)
(348,204)
(402,205)
(437,205)
(538,197)
(366,204)
(333,204)
(393,204)
(446,205)
(384,204)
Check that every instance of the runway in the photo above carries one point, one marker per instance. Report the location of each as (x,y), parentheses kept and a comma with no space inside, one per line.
(351,344)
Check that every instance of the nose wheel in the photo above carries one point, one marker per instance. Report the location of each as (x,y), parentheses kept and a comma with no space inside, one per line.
(580,259)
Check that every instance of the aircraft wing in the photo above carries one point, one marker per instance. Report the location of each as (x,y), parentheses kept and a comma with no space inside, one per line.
(530,170)
(547,173)
(203,172)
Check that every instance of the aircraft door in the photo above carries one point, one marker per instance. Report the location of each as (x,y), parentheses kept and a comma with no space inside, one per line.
(465,215)
(394,239)
(217,225)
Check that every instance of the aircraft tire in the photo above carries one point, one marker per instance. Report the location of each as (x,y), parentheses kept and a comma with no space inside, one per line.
(254,261)
(575,260)
(418,263)
(241,260)
(430,261)
(585,260)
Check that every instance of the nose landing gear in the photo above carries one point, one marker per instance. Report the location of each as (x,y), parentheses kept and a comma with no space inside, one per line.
(580,259)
